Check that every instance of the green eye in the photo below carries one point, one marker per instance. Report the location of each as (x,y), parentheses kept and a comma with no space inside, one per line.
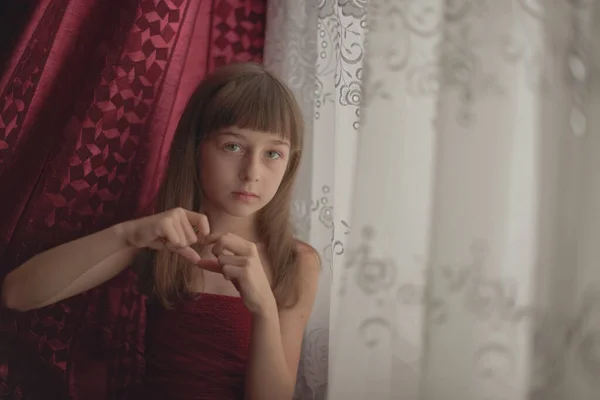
(232,147)
(273,155)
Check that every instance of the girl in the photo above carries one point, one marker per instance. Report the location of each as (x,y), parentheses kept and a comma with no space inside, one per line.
(230,289)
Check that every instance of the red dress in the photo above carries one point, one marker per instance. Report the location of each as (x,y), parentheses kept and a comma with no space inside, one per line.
(197,350)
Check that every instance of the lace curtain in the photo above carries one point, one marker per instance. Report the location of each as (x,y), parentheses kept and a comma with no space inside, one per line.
(459,222)
(317,47)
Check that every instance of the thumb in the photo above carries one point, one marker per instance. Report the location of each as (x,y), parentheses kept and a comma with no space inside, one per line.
(189,254)
(209,265)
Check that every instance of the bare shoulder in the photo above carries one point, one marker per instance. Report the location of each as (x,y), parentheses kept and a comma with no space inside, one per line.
(300,298)
(308,257)
(309,267)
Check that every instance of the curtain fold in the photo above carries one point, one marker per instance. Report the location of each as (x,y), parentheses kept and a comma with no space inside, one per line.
(459,221)
(471,272)
(89,101)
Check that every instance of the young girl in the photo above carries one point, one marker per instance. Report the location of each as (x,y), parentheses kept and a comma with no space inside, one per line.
(230,288)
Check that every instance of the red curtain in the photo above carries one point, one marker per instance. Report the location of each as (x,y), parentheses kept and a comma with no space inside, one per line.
(89,99)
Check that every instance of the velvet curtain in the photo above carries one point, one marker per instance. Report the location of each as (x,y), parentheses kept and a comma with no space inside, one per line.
(90,95)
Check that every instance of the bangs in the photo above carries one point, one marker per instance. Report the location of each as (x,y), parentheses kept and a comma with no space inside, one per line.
(256,102)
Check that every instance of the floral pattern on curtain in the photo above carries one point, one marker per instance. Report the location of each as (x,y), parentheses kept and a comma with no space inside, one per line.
(317,47)
(450,178)
(472,265)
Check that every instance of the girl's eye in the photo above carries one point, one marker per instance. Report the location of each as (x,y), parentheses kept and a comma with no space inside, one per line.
(233,147)
(273,155)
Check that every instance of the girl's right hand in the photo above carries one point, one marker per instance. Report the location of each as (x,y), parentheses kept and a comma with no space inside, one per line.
(176,230)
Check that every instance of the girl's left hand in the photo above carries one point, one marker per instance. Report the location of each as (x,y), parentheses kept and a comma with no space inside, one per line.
(240,264)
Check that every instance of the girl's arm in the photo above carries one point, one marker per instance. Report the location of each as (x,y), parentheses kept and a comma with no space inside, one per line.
(277,339)
(67,270)
(85,263)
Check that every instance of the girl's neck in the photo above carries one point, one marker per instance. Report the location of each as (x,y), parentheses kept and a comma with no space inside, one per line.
(221,222)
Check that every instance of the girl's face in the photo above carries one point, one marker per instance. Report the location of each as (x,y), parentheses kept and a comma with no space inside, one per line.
(241,169)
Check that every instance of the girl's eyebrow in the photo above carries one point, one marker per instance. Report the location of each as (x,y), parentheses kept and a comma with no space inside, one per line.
(228,133)
(241,136)
(280,142)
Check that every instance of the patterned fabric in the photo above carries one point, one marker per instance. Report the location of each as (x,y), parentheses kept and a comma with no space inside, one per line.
(88,105)
(318,49)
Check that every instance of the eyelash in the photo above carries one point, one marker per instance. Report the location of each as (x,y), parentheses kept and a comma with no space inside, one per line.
(229,145)
(279,155)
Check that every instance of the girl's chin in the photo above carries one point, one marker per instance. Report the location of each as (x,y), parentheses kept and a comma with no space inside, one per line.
(240,209)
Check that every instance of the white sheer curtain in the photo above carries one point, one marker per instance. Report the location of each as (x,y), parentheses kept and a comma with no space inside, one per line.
(317,47)
(471,186)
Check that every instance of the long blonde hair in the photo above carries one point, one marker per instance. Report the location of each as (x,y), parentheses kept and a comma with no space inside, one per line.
(247,96)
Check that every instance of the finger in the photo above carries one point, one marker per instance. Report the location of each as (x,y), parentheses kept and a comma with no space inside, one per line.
(189,254)
(234,244)
(209,265)
(231,272)
(212,238)
(199,221)
(180,232)
(170,235)
(188,231)
(237,261)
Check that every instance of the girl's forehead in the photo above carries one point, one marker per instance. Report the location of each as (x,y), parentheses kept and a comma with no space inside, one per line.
(254,135)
